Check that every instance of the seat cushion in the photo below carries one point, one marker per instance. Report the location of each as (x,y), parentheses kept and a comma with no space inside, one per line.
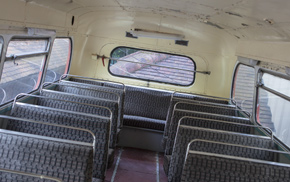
(144,122)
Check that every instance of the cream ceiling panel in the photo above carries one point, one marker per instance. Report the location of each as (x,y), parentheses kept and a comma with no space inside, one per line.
(13,10)
(275,52)
(45,16)
(61,5)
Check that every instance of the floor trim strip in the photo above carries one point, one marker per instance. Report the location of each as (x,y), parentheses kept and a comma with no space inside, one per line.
(157,166)
(117,164)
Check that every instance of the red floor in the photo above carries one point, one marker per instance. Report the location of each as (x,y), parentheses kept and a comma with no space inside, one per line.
(136,165)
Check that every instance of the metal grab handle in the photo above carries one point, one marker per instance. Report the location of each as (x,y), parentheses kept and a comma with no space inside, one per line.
(90,85)
(38,96)
(94,79)
(235,109)
(76,95)
(77,86)
(51,124)
(202,102)
(189,151)
(238,124)
(30,174)
(220,98)
(237,145)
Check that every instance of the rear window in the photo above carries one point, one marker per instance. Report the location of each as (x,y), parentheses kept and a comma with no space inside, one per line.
(23,67)
(59,59)
(152,66)
(244,87)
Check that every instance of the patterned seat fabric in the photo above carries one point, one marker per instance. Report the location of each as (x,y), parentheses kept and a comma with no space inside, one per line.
(66,161)
(96,91)
(147,106)
(224,110)
(206,167)
(105,84)
(99,126)
(199,98)
(204,123)
(192,107)
(231,150)
(178,114)
(187,133)
(113,106)
(11,177)
(73,106)
(98,82)
(86,81)
(166,163)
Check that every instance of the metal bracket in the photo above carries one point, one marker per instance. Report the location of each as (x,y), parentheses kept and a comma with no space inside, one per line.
(14,58)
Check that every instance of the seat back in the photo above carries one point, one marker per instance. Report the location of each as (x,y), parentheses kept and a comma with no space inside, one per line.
(179,114)
(63,159)
(99,126)
(181,101)
(112,105)
(145,102)
(228,162)
(95,91)
(187,133)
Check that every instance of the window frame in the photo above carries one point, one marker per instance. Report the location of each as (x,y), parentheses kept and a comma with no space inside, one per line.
(7,39)
(259,75)
(147,80)
(234,79)
(1,50)
(68,63)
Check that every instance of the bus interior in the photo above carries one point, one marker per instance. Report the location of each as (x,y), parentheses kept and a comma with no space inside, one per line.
(132,90)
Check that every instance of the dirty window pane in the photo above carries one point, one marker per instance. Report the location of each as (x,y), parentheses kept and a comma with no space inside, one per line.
(244,85)
(19,46)
(276,83)
(59,59)
(152,66)
(24,74)
(273,112)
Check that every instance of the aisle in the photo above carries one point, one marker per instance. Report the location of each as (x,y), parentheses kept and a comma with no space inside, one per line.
(136,165)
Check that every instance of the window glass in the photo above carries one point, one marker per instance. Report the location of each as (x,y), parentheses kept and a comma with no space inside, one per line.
(244,85)
(1,45)
(152,66)
(59,59)
(24,74)
(273,112)
(19,46)
(276,83)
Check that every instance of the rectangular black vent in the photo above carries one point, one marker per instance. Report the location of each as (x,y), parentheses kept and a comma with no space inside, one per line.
(182,42)
(128,34)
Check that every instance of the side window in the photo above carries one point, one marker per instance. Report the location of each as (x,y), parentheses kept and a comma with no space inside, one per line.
(244,87)
(59,59)
(273,106)
(23,67)
(152,66)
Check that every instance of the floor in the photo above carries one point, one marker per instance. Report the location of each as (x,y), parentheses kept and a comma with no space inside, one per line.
(136,165)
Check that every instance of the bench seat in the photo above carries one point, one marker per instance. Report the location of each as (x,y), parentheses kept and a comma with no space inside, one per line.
(144,122)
